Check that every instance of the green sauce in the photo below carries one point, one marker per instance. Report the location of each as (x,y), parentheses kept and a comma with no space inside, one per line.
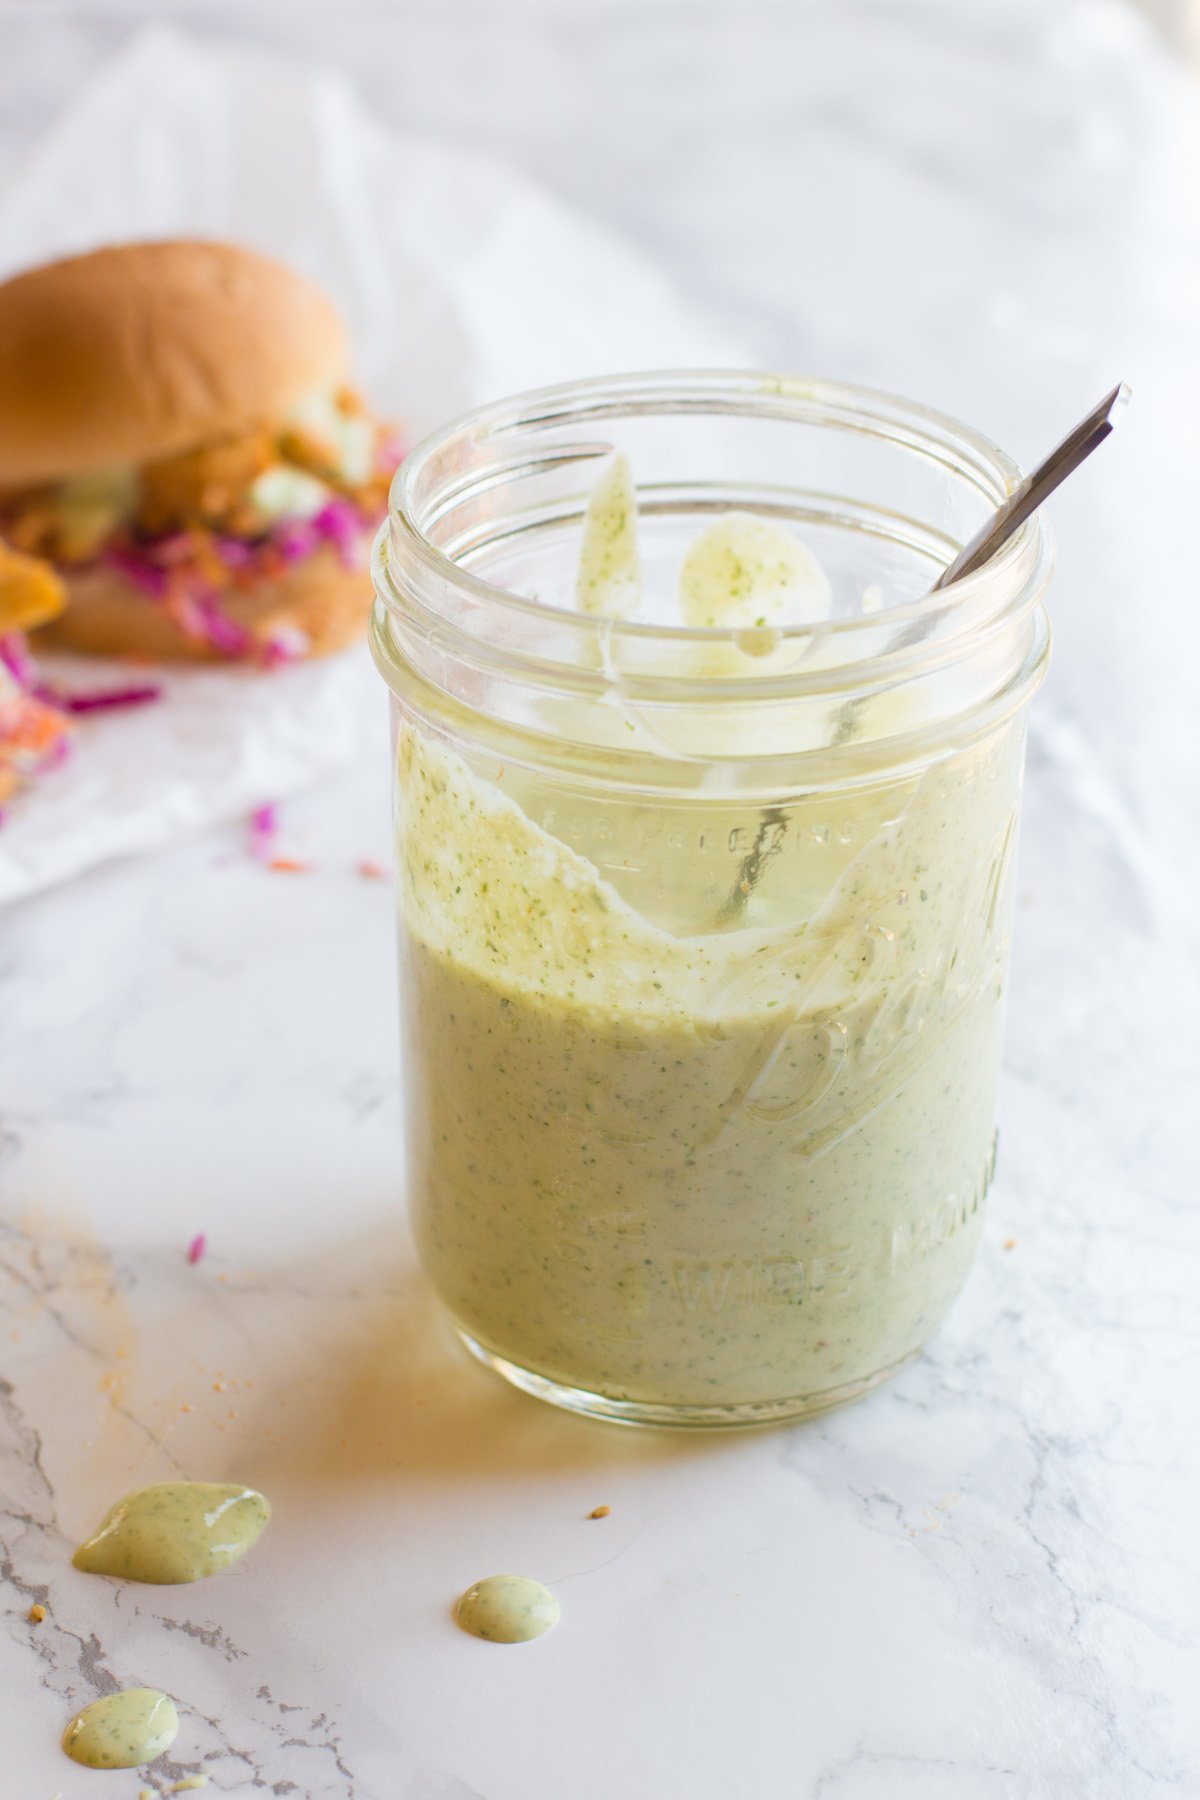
(507,1609)
(726,1167)
(753,572)
(175,1531)
(661,1160)
(610,580)
(122,1731)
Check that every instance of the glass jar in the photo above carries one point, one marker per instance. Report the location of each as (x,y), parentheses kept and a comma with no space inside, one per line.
(704,931)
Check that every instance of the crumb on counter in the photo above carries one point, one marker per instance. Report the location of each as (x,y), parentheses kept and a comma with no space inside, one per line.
(288,865)
(36,1613)
(1010,1243)
(370,870)
(190,1782)
(599,1512)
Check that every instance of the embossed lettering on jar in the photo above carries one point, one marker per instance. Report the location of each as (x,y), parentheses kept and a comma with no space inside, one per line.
(690,1144)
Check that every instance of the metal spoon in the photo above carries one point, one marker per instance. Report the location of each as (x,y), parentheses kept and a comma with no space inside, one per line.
(1029,494)
(1025,498)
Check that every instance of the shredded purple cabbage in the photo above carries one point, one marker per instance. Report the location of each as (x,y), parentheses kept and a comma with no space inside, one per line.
(196,600)
(140,570)
(295,539)
(14,654)
(58,755)
(110,699)
(235,553)
(222,632)
(287,645)
(264,825)
(340,523)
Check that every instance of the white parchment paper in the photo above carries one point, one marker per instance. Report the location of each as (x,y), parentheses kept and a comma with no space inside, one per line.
(461,281)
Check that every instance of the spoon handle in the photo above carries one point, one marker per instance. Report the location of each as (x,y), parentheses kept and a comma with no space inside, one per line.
(1029,494)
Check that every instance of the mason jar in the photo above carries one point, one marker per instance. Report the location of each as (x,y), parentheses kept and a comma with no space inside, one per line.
(704,929)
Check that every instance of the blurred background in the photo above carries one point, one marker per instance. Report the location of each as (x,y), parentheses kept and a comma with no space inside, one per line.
(896,191)
(849,184)
(989,205)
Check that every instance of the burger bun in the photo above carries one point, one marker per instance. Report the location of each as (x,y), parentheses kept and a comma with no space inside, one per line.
(138,351)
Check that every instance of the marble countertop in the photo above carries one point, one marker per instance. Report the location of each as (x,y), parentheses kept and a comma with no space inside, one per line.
(981,1583)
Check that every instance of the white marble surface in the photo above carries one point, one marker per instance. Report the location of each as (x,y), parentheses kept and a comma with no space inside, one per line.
(978,1585)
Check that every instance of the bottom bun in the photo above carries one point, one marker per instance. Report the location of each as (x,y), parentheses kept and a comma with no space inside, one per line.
(107,615)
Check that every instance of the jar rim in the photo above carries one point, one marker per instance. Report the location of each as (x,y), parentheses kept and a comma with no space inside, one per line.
(800,398)
(959,658)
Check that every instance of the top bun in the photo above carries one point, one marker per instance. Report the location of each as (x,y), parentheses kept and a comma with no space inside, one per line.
(141,350)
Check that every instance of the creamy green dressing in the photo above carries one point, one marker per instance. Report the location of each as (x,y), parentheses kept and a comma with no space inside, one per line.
(755,575)
(753,572)
(670,1163)
(507,1609)
(609,579)
(694,1169)
(122,1731)
(175,1531)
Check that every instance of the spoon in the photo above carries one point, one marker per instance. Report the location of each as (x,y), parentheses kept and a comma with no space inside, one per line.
(1028,495)
(1025,498)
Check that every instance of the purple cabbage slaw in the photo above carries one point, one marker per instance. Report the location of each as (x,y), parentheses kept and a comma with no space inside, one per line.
(17,659)
(160,570)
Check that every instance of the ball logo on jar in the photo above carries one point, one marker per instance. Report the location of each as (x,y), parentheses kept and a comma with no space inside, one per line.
(710,1287)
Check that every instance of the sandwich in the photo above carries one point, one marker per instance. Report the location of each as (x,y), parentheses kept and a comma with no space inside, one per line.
(180,441)
(33,730)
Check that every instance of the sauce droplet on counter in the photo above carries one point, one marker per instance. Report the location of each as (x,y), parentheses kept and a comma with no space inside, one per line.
(122,1731)
(175,1531)
(507,1609)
